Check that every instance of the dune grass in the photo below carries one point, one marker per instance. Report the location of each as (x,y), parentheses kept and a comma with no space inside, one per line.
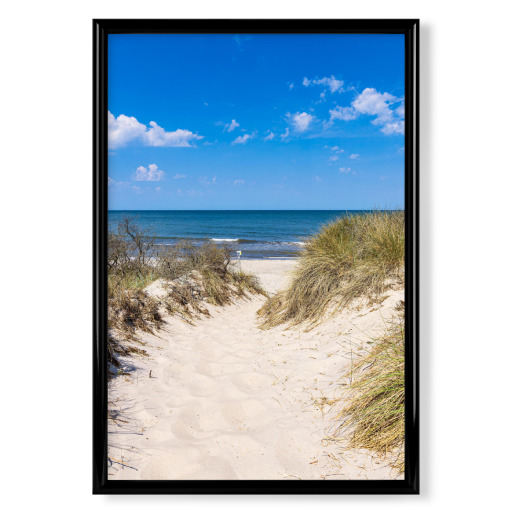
(373,418)
(354,256)
(193,275)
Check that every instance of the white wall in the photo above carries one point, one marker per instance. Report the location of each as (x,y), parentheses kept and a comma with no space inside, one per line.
(46,258)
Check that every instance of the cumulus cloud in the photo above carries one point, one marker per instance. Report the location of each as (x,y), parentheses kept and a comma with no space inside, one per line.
(285,134)
(242,139)
(291,86)
(333,158)
(124,129)
(151,173)
(332,83)
(270,136)
(372,103)
(231,126)
(354,156)
(157,136)
(179,176)
(342,114)
(345,170)
(375,103)
(300,120)
(238,182)
(390,128)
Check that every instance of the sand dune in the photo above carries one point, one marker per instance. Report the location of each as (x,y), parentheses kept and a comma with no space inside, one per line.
(226,400)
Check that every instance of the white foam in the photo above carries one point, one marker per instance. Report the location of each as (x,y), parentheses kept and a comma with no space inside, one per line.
(224,239)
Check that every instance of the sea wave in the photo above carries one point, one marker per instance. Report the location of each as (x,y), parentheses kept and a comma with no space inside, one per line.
(265,242)
(161,241)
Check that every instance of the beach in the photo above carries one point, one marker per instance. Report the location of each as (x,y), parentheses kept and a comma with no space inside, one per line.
(220,398)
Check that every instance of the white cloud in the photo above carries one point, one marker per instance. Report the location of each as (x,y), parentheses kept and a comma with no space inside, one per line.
(373,103)
(242,139)
(270,136)
(179,176)
(291,86)
(124,129)
(238,182)
(157,136)
(336,149)
(342,114)
(231,126)
(285,134)
(317,179)
(333,158)
(332,83)
(152,173)
(110,181)
(354,156)
(345,170)
(300,120)
(394,127)
(158,189)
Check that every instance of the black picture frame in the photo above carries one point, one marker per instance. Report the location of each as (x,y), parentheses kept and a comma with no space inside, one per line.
(101,29)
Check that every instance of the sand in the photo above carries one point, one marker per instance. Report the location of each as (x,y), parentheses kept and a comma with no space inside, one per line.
(223,399)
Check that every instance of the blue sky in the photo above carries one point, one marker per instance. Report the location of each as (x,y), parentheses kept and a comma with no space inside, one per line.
(256,121)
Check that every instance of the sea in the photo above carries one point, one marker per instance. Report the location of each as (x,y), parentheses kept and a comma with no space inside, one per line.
(258,234)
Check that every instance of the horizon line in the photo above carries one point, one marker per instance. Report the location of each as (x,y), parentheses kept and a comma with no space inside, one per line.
(256,210)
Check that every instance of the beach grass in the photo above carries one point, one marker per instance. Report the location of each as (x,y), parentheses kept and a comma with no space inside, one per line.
(359,255)
(191,276)
(373,418)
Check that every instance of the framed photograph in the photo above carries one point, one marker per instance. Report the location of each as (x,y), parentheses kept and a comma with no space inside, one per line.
(256,256)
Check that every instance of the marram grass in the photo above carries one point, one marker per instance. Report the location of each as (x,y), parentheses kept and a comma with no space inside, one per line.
(373,418)
(354,256)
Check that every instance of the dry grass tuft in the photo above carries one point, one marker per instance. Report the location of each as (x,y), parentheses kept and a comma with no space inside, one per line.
(374,417)
(351,257)
(131,309)
(194,275)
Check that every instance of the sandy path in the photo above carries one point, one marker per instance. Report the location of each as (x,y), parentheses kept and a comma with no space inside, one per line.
(227,400)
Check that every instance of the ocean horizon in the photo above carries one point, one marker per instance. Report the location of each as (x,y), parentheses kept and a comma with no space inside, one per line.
(259,234)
